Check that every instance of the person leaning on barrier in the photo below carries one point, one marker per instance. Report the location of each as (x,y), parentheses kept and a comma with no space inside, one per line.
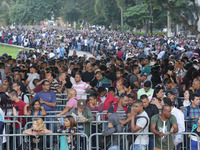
(139,124)
(37,132)
(113,127)
(69,127)
(192,112)
(72,103)
(83,116)
(122,109)
(178,138)
(161,125)
(196,130)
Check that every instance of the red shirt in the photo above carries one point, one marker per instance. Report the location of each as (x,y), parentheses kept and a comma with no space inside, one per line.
(20,109)
(119,54)
(38,88)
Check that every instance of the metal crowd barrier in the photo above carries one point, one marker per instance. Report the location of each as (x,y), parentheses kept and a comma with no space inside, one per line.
(126,141)
(46,141)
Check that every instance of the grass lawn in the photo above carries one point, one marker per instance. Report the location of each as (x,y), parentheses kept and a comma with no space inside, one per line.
(13,51)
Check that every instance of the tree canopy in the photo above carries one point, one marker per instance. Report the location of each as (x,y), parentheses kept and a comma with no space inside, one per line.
(115,13)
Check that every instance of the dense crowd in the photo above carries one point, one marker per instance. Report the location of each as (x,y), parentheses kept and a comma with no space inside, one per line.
(145,83)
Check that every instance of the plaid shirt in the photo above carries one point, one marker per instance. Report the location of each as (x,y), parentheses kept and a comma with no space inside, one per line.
(193,113)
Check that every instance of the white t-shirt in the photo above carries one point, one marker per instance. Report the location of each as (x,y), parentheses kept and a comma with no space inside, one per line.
(142,139)
(4,131)
(31,78)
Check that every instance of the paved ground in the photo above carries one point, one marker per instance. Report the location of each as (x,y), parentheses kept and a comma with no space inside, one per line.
(80,53)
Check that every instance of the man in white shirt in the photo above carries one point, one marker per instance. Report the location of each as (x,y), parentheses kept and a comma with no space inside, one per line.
(32,75)
(139,124)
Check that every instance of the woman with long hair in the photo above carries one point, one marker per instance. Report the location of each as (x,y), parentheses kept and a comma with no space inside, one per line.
(158,96)
(37,132)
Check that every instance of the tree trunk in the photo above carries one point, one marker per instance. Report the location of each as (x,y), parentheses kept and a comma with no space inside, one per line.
(122,20)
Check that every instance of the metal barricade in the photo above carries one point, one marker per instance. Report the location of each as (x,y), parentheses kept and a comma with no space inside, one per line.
(41,141)
(132,141)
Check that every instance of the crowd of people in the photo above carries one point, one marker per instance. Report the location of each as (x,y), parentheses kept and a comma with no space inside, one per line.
(145,83)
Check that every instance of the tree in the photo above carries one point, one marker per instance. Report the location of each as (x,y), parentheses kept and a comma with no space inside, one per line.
(180,9)
(121,5)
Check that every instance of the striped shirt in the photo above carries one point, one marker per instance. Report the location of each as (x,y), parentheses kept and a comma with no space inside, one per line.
(193,113)
(80,87)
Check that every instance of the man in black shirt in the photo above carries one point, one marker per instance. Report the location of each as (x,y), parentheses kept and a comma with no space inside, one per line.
(151,110)
(89,74)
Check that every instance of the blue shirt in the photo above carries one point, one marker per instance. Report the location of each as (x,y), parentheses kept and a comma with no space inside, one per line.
(48,97)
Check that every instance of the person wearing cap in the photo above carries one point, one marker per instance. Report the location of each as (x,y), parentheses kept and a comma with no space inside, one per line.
(146,90)
(143,78)
(175,102)
(83,115)
(31,76)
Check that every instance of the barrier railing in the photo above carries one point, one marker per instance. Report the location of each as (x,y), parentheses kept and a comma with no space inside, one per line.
(132,140)
(51,141)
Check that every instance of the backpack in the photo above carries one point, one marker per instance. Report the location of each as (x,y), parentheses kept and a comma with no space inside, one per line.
(129,137)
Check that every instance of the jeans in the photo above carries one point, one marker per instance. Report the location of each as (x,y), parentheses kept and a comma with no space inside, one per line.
(138,147)
(116,147)
(178,147)
(151,142)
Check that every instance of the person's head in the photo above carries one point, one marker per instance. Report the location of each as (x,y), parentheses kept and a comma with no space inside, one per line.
(111,90)
(77,78)
(62,76)
(119,73)
(81,105)
(17,77)
(45,85)
(194,99)
(101,91)
(127,87)
(69,122)
(38,124)
(145,100)
(120,85)
(135,69)
(167,101)
(171,96)
(131,99)
(99,75)
(13,95)
(147,86)
(123,99)
(187,94)
(4,100)
(4,87)
(138,106)
(166,111)
(93,99)
(158,92)
(72,66)
(143,76)
(71,93)
(196,84)
(89,67)
(168,83)
(49,76)
(33,69)
(36,105)
(16,86)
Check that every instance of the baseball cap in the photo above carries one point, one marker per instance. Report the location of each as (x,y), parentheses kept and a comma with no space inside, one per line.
(81,103)
(143,74)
